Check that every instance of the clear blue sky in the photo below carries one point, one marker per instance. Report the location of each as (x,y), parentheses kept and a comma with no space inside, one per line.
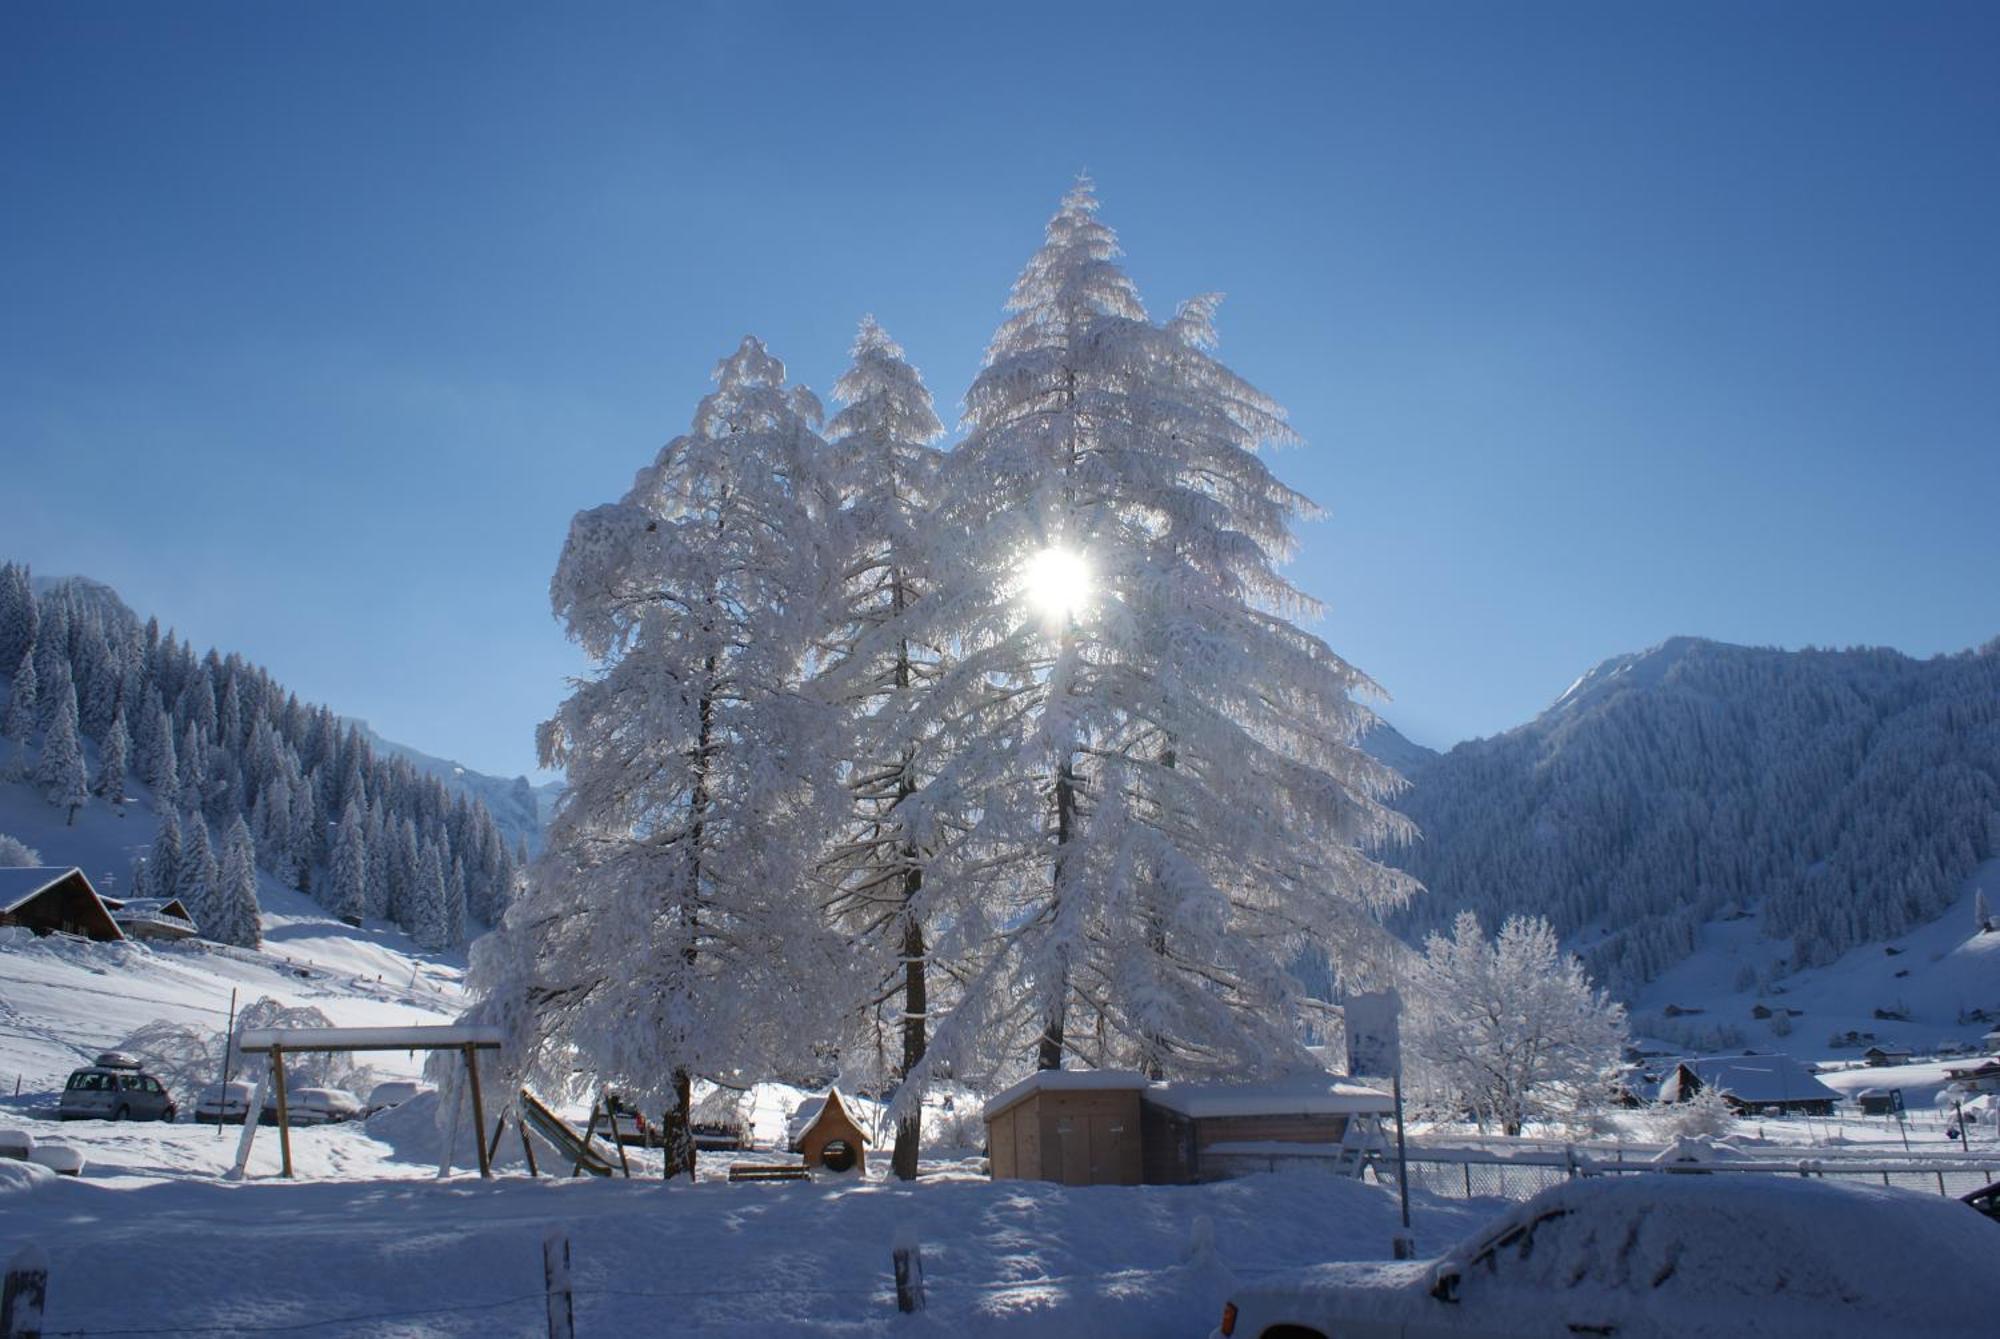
(318,322)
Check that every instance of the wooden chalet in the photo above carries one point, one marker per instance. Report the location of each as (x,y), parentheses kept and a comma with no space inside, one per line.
(1751,1083)
(1112,1127)
(1878,1056)
(1983,1077)
(52,900)
(151,917)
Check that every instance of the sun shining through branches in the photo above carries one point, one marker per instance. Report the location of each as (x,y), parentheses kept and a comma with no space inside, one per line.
(1056,582)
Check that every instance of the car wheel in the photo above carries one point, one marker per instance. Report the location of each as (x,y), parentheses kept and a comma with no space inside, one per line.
(123,1113)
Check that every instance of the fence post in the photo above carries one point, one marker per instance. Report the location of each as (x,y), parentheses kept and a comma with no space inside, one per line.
(25,1294)
(909,1261)
(555,1275)
(1466,1167)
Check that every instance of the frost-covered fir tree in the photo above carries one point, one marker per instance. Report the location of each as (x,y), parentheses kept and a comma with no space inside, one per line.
(237,921)
(670,931)
(348,896)
(1171,805)
(885,471)
(18,726)
(430,920)
(1982,913)
(1511,1028)
(163,866)
(197,878)
(20,620)
(111,764)
(60,770)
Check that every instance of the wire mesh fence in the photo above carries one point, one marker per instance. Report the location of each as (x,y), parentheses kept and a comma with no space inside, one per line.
(1520,1179)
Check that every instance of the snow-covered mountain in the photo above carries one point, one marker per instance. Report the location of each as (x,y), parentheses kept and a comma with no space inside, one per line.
(1832,798)
(520,808)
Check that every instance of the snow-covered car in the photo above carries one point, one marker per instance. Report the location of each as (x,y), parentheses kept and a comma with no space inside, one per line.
(1656,1255)
(115,1088)
(225,1103)
(393,1093)
(314,1106)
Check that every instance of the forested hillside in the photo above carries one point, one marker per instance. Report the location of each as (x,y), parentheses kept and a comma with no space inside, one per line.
(101,711)
(1841,796)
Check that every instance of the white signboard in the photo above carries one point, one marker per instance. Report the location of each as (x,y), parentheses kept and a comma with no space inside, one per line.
(1374,1044)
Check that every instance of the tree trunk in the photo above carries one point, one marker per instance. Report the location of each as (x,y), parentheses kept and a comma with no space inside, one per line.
(1050,1051)
(676,1129)
(916,1002)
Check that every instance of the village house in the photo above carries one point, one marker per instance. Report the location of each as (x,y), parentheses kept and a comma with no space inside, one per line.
(1878,1056)
(53,900)
(164,918)
(1750,1083)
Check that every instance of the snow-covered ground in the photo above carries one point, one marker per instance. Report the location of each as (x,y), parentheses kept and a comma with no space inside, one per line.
(369,1242)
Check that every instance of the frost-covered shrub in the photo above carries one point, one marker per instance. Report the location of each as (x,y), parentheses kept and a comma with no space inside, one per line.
(1703,1116)
(17,854)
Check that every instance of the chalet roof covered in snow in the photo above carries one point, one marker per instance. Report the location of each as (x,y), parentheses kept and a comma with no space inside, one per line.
(1753,1079)
(168,913)
(19,886)
(1067,1081)
(372,1038)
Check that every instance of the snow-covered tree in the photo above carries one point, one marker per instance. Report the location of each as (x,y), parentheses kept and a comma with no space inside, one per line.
(670,931)
(163,866)
(18,726)
(348,897)
(1510,1029)
(111,764)
(1170,804)
(237,921)
(17,854)
(60,771)
(430,924)
(1982,914)
(885,471)
(19,618)
(197,878)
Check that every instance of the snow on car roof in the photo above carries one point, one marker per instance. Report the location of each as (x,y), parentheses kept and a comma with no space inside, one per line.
(1731,1240)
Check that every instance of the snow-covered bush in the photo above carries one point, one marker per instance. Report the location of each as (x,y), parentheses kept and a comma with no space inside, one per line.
(17,854)
(1704,1116)
(1510,1029)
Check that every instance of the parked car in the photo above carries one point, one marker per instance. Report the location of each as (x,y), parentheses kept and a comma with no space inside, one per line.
(225,1103)
(115,1088)
(394,1093)
(1658,1256)
(314,1106)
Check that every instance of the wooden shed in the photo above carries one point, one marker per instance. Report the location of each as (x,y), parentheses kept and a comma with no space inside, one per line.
(829,1136)
(1111,1127)
(51,900)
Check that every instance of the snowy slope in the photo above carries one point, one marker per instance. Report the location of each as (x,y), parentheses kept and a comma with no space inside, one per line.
(62,1001)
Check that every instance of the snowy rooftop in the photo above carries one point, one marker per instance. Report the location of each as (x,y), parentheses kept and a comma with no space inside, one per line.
(19,884)
(1304,1095)
(371,1038)
(1752,1078)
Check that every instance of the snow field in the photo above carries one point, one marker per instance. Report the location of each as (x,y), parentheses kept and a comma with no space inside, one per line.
(796,1259)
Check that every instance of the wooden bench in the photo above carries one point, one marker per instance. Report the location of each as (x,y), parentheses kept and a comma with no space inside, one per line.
(768,1171)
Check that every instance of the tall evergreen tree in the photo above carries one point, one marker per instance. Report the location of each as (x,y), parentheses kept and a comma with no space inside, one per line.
(163,867)
(20,619)
(111,766)
(18,726)
(60,771)
(197,879)
(699,773)
(237,919)
(885,470)
(348,895)
(1196,810)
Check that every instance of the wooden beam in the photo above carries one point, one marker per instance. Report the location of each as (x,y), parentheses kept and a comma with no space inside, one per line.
(284,1114)
(527,1149)
(471,1054)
